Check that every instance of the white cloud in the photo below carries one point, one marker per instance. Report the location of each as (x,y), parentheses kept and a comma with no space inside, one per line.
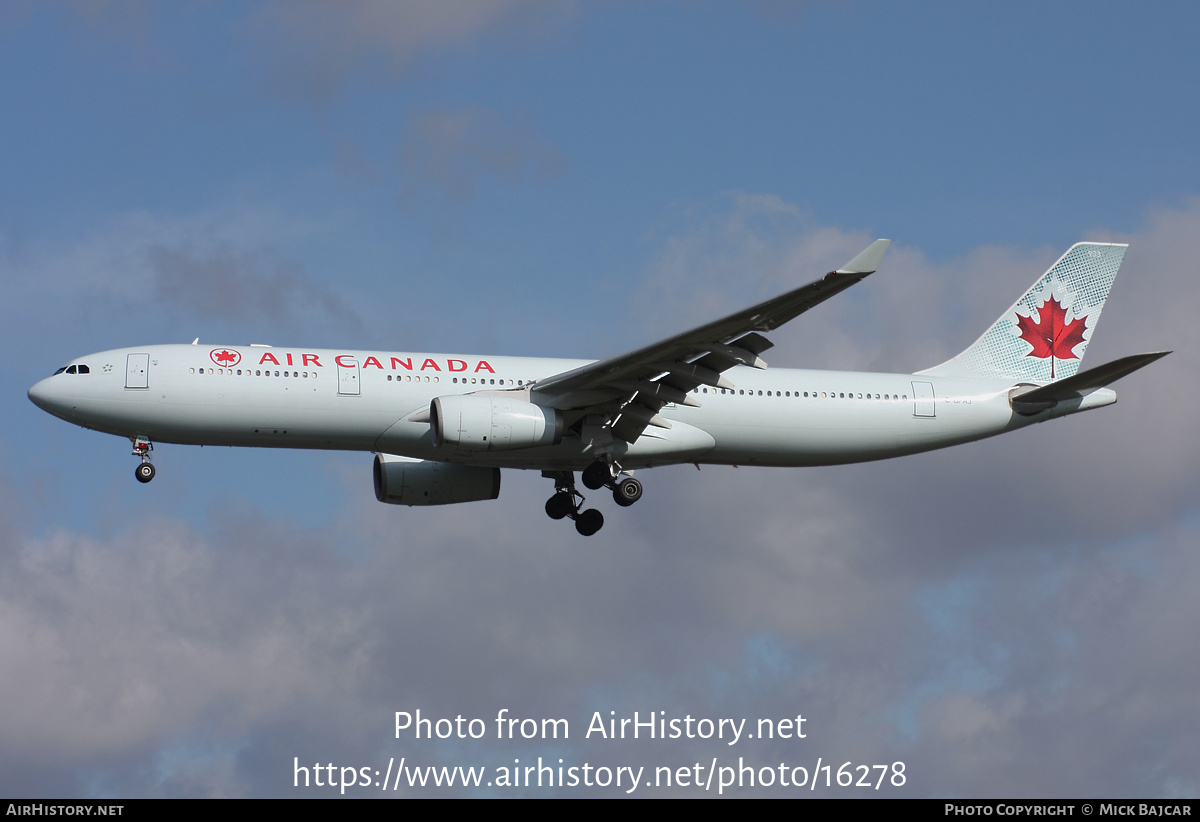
(213,267)
(455,150)
(316,48)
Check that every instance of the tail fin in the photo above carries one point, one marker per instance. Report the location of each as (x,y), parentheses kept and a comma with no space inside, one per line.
(1044,335)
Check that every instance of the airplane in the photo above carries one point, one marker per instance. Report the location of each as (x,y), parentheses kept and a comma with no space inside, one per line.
(442,426)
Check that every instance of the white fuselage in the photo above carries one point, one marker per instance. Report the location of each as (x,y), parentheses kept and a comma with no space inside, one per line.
(362,401)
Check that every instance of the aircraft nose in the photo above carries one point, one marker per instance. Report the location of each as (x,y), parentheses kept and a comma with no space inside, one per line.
(45,397)
(39,394)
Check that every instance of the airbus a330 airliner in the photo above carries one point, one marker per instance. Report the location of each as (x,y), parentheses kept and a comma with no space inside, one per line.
(443,425)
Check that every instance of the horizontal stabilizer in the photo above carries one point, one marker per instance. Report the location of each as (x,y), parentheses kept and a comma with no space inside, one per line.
(1082,384)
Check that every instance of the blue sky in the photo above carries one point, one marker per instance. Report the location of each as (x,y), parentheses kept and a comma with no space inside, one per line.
(1010,618)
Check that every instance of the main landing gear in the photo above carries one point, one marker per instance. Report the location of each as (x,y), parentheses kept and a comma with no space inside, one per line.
(601,473)
(567,501)
(142,448)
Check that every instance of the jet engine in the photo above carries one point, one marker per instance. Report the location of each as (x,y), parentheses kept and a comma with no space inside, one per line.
(488,423)
(405,481)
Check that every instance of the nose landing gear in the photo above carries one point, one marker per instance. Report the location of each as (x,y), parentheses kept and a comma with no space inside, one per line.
(142,448)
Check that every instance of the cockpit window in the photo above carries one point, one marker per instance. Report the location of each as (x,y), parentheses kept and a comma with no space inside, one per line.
(71,370)
(59,371)
(83,369)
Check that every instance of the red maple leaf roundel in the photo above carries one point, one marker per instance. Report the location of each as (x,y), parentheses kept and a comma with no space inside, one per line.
(1052,336)
(223,356)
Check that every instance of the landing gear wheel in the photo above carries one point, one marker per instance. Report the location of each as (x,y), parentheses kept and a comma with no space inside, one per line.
(144,472)
(566,502)
(589,522)
(560,505)
(596,475)
(627,492)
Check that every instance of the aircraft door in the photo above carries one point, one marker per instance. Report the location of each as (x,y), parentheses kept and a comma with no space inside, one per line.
(348,377)
(137,371)
(924,405)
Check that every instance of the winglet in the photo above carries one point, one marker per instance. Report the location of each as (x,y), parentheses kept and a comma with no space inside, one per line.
(868,259)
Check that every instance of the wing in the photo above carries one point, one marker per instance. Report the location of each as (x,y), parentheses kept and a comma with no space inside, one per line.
(628,391)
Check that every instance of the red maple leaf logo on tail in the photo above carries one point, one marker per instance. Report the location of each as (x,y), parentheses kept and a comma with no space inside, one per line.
(1053,336)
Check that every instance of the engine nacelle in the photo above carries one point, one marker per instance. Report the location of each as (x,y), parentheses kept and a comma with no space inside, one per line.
(489,423)
(404,481)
